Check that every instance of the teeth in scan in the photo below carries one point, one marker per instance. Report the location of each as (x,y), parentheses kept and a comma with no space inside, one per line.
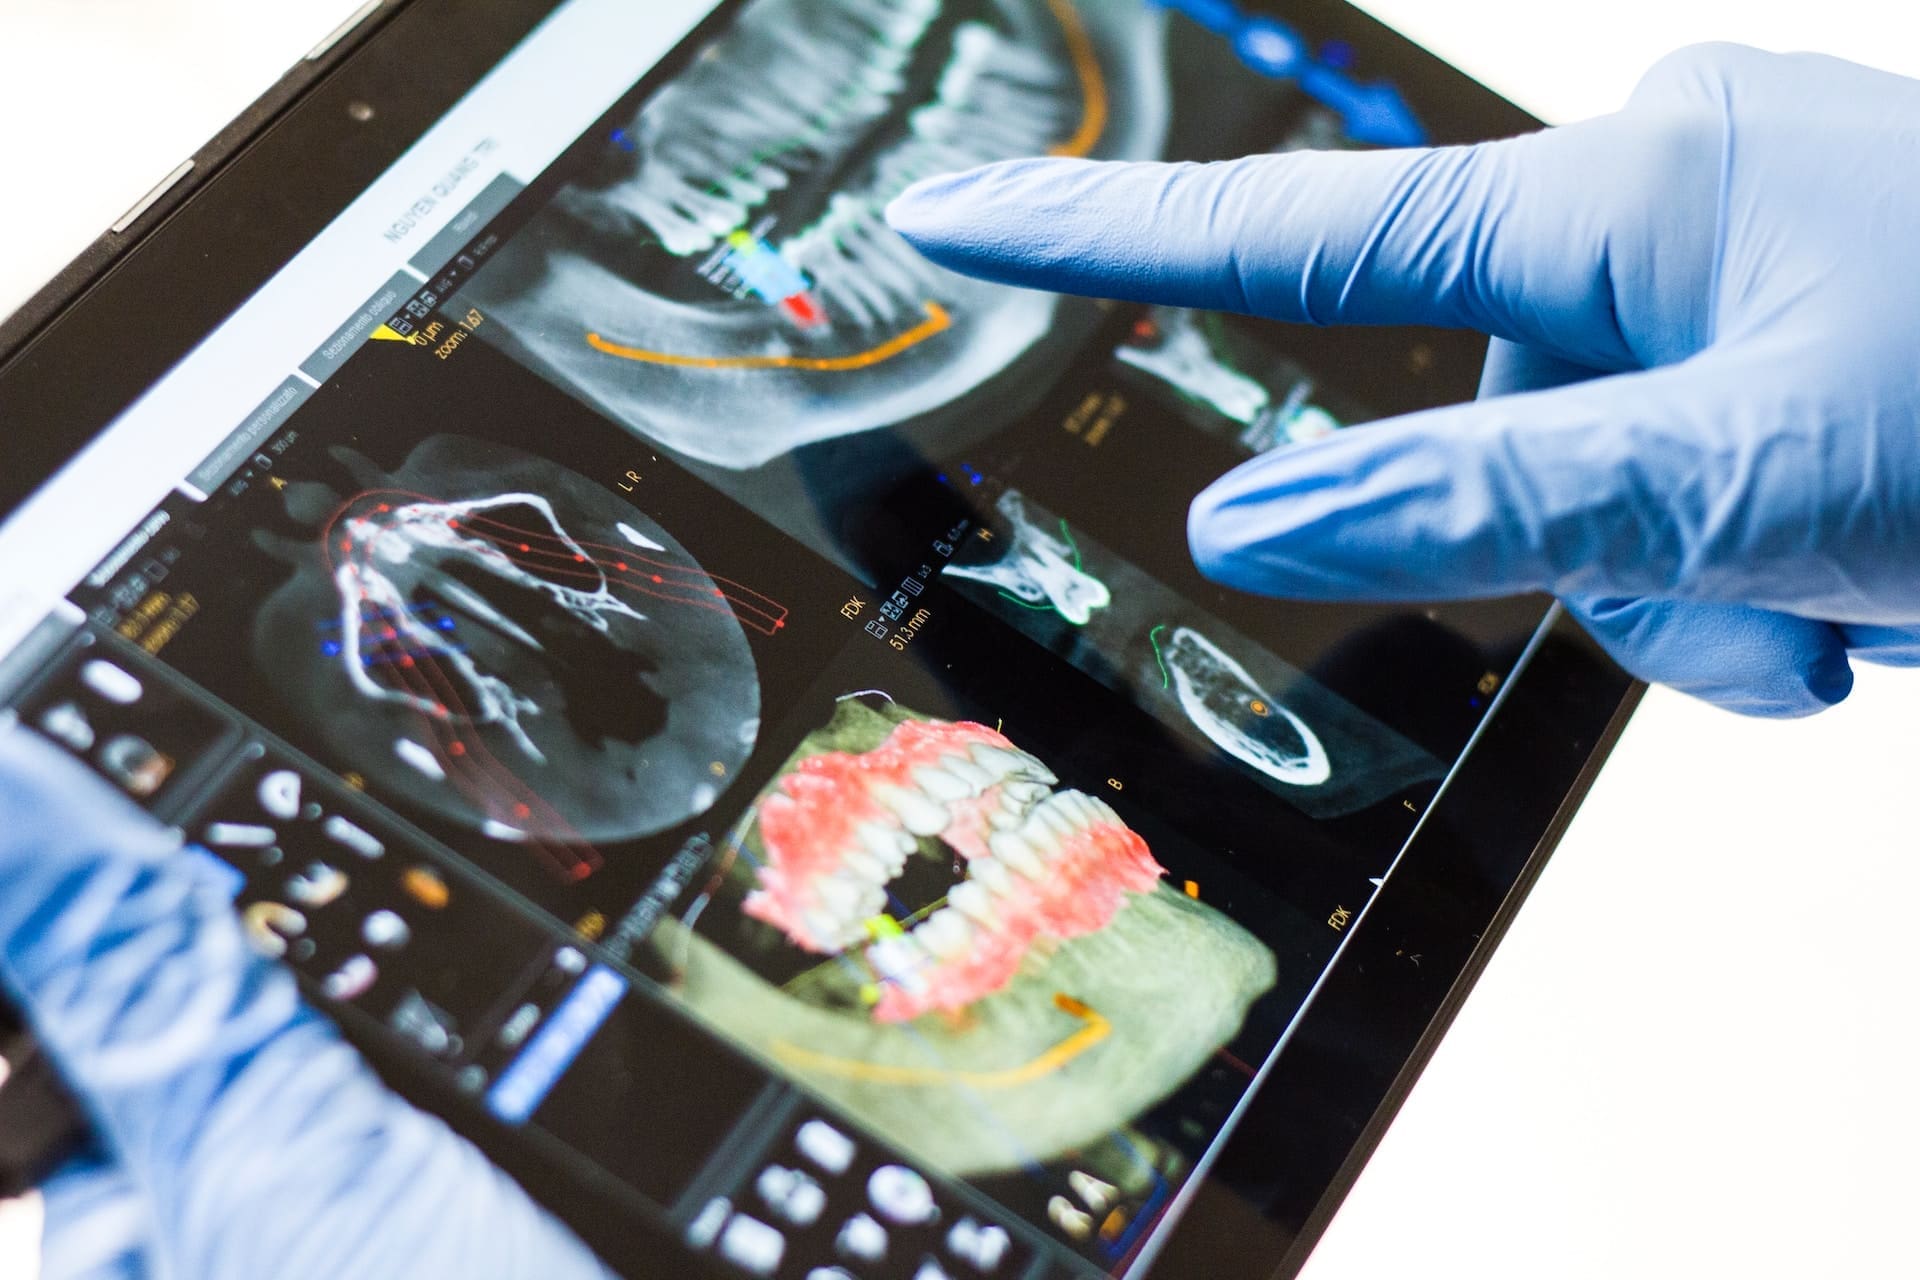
(1001,763)
(794,130)
(1054,820)
(946,934)
(919,813)
(943,786)
(1063,866)
(976,778)
(991,874)
(840,73)
(971,901)
(1016,854)
(1216,686)
(1185,359)
(868,867)
(1029,793)
(860,268)
(1039,567)
(887,845)
(831,929)
(864,815)
(1060,1006)
(844,897)
(994,101)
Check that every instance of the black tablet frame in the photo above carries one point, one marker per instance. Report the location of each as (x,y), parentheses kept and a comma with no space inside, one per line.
(270,182)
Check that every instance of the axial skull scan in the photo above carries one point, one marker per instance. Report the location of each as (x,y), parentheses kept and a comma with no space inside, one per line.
(510,646)
(727,286)
(922,926)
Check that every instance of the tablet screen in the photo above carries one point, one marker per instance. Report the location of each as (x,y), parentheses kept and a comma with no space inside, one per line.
(731,697)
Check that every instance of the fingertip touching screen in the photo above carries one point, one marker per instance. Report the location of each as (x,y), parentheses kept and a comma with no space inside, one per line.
(729,699)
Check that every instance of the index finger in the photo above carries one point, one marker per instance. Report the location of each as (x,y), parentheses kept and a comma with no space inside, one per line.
(1502,237)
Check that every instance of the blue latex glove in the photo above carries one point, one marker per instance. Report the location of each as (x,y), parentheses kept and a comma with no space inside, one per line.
(239,1137)
(1700,422)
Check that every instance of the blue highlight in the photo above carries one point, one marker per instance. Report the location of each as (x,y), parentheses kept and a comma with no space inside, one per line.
(387,651)
(1371,113)
(764,270)
(1221,17)
(1270,49)
(432,611)
(527,1081)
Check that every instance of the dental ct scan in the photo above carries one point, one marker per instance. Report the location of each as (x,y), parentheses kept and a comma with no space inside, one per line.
(722,708)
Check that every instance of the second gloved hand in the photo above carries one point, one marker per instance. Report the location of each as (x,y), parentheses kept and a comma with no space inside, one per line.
(1700,422)
(236,1135)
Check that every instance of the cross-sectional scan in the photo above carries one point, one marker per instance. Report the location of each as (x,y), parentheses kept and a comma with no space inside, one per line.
(510,646)
(726,285)
(1226,384)
(1190,670)
(919,923)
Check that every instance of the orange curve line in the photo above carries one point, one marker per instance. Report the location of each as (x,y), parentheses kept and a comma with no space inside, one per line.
(1093,82)
(938,321)
(1097,1028)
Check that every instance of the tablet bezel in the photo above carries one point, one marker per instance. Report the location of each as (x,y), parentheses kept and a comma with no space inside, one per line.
(68,366)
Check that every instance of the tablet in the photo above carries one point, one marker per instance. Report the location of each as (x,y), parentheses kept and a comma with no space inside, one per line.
(721,709)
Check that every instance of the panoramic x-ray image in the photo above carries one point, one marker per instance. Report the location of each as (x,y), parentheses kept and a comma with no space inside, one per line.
(510,646)
(918,923)
(725,284)
(1187,668)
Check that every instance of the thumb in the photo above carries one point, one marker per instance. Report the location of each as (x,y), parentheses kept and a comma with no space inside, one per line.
(1606,488)
(1752,661)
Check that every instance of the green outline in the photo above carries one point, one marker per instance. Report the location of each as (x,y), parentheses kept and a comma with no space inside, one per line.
(1072,545)
(1079,566)
(1166,681)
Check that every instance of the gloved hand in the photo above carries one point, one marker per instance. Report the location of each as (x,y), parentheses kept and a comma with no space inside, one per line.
(239,1136)
(1700,421)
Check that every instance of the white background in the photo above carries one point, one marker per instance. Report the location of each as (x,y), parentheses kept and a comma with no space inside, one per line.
(1695,1054)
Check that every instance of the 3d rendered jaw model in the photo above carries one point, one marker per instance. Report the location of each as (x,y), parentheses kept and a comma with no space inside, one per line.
(984,967)
(510,646)
(727,285)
